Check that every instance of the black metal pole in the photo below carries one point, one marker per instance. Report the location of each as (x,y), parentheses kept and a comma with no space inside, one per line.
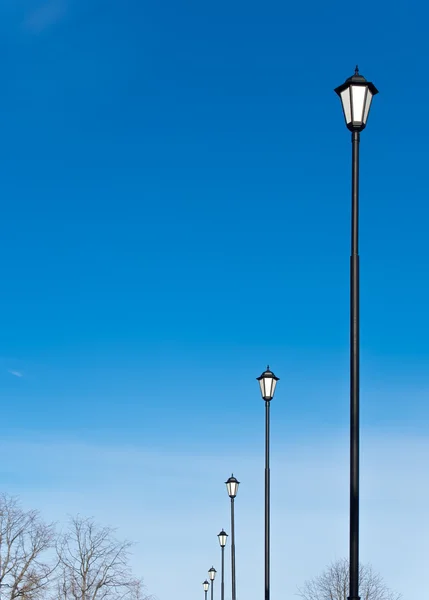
(267,500)
(232,550)
(205,594)
(354,376)
(222,585)
(212,584)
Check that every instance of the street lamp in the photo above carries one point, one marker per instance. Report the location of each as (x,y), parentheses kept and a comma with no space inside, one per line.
(267,383)
(222,541)
(206,588)
(212,575)
(356,95)
(232,487)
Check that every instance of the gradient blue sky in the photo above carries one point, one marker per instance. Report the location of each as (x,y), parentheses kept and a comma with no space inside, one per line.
(176,201)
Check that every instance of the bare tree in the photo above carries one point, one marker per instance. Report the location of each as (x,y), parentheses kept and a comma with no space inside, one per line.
(94,565)
(333,584)
(25,571)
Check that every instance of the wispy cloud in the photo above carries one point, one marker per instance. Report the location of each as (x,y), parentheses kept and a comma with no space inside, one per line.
(16,373)
(45,15)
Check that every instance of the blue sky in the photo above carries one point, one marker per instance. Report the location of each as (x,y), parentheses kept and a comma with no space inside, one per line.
(175,215)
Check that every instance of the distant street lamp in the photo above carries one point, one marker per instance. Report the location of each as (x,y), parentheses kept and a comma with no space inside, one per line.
(212,575)
(356,94)
(267,383)
(206,588)
(232,487)
(222,541)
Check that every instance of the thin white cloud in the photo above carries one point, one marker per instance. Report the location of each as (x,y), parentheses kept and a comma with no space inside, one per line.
(45,15)
(16,373)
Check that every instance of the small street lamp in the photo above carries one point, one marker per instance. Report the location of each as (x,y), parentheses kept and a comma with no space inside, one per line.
(267,383)
(206,588)
(212,575)
(222,536)
(232,487)
(356,95)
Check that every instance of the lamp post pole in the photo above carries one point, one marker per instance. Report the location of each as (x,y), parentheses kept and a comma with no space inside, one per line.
(267,382)
(232,487)
(233,588)
(222,541)
(354,375)
(222,585)
(356,95)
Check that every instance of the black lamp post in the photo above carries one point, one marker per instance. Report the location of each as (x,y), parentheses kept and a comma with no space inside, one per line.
(222,541)
(212,575)
(232,488)
(267,382)
(206,588)
(356,94)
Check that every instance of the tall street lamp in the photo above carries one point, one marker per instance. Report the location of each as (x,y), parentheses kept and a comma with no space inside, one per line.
(222,541)
(267,383)
(356,94)
(206,588)
(212,575)
(232,487)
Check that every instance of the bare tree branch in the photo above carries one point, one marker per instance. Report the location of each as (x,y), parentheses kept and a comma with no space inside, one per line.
(94,565)
(333,584)
(24,542)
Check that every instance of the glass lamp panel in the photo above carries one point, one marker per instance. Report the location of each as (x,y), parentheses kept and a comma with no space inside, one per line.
(268,387)
(232,488)
(345,99)
(273,387)
(367,106)
(222,539)
(358,93)
(206,586)
(262,386)
(212,574)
